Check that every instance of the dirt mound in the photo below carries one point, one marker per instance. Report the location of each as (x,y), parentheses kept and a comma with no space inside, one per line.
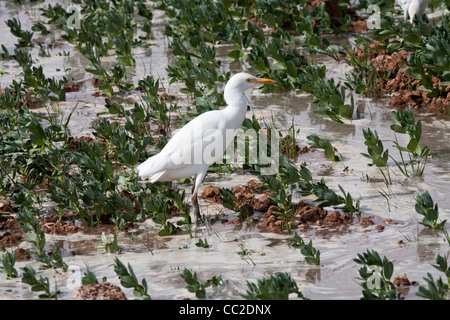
(246,196)
(274,220)
(404,89)
(12,235)
(54,224)
(22,255)
(11,238)
(304,216)
(71,87)
(211,193)
(101,291)
(401,280)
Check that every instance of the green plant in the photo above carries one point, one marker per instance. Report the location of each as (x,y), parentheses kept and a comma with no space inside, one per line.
(278,287)
(128,280)
(331,99)
(418,156)
(41,284)
(244,253)
(109,244)
(160,208)
(194,286)
(229,202)
(53,260)
(315,142)
(30,224)
(16,29)
(430,212)
(375,149)
(35,81)
(312,256)
(377,153)
(89,278)
(364,78)
(436,289)
(202,244)
(376,274)
(8,260)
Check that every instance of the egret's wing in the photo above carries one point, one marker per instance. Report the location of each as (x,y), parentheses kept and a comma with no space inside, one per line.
(187,145)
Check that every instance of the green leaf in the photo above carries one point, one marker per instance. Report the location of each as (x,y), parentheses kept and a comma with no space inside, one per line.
(346,111)
(235,54)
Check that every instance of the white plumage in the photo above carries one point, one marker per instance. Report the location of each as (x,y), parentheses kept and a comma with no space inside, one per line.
(203,140)
(413,7)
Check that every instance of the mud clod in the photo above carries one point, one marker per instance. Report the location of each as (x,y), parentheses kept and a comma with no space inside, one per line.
(54,224)
(211,193)
(401,280)
(101,291)
(71,87)
(22,255)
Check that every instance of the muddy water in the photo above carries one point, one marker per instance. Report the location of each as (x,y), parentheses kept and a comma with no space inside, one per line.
(160,260)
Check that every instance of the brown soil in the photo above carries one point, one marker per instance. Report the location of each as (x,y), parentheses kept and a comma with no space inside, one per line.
(75,142)
(211,193)
(71,87)
(12,235)
(401,280)
(366,221)
(52,224)
(291,149)
(101,291)
(7,222)
(404,89)
(11,238)
(358,23)
(6,206)
(245,196)
(304,216)
(96,82)
(99,94)
(22,255)
(273,220)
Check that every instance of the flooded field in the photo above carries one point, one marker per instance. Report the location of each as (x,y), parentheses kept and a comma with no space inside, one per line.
(239,250)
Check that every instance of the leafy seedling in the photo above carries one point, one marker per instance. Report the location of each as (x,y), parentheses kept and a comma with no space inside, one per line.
(312,256)
(315,142)
(194,286)
(128,280)
(41,284)
(376,274)
(8,260)
(278,287)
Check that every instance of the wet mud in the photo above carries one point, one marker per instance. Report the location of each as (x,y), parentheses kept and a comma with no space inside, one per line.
(394,80)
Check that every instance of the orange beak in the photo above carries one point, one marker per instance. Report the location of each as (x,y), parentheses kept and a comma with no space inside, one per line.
(261,80)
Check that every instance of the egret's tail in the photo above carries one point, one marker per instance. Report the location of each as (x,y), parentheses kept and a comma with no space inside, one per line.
(149,170)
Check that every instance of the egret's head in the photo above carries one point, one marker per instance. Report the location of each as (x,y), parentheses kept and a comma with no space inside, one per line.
(240,83)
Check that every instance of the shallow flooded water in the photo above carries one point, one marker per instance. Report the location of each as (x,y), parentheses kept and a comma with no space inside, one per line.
(160,259)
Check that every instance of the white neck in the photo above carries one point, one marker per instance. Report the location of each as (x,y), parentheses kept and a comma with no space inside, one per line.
(236,106)
(235,98)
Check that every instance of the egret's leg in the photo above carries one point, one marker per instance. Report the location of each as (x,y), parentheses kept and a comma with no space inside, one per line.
(194,200)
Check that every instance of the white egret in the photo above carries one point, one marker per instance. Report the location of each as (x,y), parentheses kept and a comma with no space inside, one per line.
(413,7)
(203,140)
